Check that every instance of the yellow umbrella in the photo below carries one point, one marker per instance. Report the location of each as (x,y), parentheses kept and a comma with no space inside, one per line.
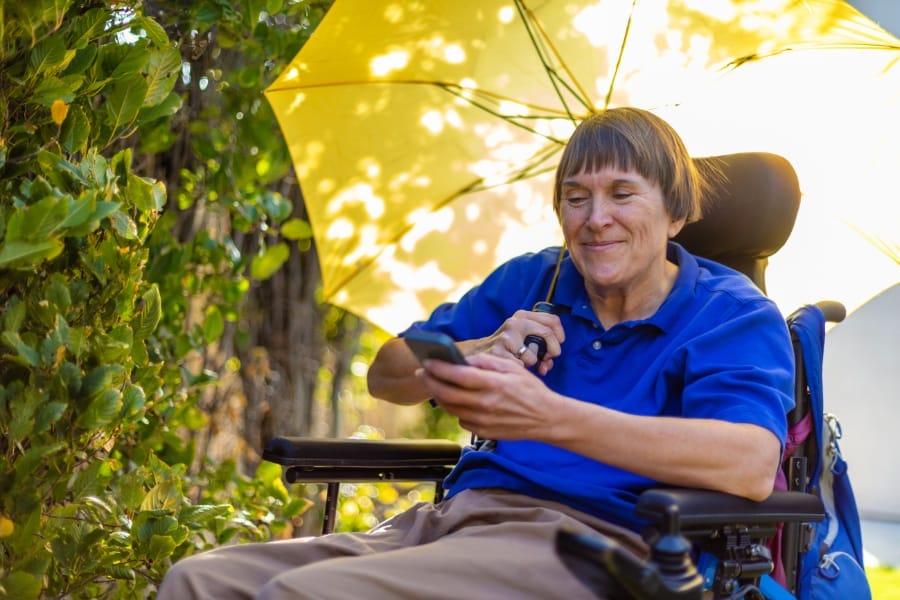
(424,134)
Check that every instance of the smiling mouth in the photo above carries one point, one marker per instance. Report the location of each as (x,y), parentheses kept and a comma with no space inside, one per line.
(601,245)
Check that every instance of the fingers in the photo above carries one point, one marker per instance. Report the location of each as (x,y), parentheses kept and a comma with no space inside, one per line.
(511,339)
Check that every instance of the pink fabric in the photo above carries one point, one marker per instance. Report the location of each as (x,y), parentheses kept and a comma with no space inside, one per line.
(797,435)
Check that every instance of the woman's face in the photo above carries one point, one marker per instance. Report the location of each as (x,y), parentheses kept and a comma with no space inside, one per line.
(616,227)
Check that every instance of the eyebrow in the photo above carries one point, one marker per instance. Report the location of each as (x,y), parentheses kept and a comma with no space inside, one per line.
(619,181)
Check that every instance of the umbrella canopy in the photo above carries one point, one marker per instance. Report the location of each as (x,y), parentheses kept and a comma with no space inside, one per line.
(425,134)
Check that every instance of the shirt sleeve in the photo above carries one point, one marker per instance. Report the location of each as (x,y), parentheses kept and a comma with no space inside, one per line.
(742,370)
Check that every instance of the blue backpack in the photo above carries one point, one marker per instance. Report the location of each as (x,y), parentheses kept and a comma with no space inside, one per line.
(832,567)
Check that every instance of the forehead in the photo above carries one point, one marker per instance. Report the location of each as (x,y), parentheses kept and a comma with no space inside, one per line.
(604,176)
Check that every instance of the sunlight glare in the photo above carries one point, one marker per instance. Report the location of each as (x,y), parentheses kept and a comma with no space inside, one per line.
(513,109)
(722,10)
(426,222)
(366,247)
(454,54)
(340,229)
(384,64)
(433,122)
(506,14)
(355,195)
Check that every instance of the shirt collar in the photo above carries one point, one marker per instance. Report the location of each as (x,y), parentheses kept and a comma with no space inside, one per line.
(571,294)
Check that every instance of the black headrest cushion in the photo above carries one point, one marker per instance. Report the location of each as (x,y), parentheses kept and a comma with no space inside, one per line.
(749,213)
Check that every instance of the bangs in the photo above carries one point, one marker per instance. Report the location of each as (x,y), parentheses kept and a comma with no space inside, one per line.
(599,148)
(632,139)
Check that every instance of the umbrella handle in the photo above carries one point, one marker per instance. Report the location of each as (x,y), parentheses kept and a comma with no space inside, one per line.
(536,343)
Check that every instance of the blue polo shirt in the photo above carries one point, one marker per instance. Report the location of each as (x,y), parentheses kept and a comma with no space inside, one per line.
(717,348)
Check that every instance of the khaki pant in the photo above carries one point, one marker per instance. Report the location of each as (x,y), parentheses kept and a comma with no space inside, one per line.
(480,544)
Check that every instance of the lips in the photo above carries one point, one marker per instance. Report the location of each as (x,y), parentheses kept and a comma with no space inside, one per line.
(600,245)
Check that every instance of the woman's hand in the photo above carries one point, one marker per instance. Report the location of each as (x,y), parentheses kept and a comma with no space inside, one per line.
(509,339)
(493,397)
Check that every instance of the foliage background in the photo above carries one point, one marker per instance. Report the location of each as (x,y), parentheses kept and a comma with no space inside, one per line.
(159,317)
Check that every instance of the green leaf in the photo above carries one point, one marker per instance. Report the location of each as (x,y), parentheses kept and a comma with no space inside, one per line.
(100,379)
(267,264)
(50,89)
(76,130)
(21,421)
(149,523)
(154,30)
(164,495)
(21,254)
(56,291)
(160,547)
(146,194)
(14,314)
(102,410)
(28,353)
(81,210)
(48,56)
(277,206)
(71,377)
(104,209)
(48,414)
(32,459)
(42,218)
(144,324)
(161,72)
(296,507)
(200,515)
(21,585)
(126,60)
(84,58)
(124,225)
(124,102)
(133,400)
(95,168)
(166,108)
(121,572)
(296,229)
(213,324)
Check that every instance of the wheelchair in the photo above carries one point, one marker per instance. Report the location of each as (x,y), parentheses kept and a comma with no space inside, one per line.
(751,214)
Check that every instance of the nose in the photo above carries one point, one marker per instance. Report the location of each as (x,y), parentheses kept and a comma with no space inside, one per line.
(600,214)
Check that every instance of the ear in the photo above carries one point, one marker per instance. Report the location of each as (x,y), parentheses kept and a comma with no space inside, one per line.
(675,227)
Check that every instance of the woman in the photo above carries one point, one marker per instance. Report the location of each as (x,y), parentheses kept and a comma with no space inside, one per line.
(660,367)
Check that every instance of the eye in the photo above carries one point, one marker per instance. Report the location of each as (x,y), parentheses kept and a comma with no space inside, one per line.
(622,194)
(577,198)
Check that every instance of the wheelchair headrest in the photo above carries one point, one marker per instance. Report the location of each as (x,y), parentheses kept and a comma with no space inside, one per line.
(749,213)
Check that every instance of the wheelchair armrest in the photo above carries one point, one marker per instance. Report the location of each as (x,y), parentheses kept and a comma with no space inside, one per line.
(339,460)
(697,509)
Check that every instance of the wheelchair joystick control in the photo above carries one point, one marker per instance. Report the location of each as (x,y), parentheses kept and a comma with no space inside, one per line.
(671,554)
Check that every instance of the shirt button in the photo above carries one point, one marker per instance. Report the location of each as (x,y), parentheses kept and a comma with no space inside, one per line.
(597,344)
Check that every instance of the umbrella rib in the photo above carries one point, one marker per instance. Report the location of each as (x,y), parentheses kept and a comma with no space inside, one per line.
(741,60)
(550,112)
(507,118)
(528,20)
(612,81)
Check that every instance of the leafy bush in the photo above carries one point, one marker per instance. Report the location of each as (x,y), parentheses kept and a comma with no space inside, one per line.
(91,389)
(125,317)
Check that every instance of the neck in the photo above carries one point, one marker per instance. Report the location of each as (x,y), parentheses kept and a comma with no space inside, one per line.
(619,305)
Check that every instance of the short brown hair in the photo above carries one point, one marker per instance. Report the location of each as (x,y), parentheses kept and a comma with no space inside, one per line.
(633,139)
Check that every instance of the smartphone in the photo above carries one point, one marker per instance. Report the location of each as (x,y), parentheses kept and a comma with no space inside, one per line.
(437,346)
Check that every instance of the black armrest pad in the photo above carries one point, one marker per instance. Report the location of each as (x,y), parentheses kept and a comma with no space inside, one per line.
(699,508)
(311,452)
